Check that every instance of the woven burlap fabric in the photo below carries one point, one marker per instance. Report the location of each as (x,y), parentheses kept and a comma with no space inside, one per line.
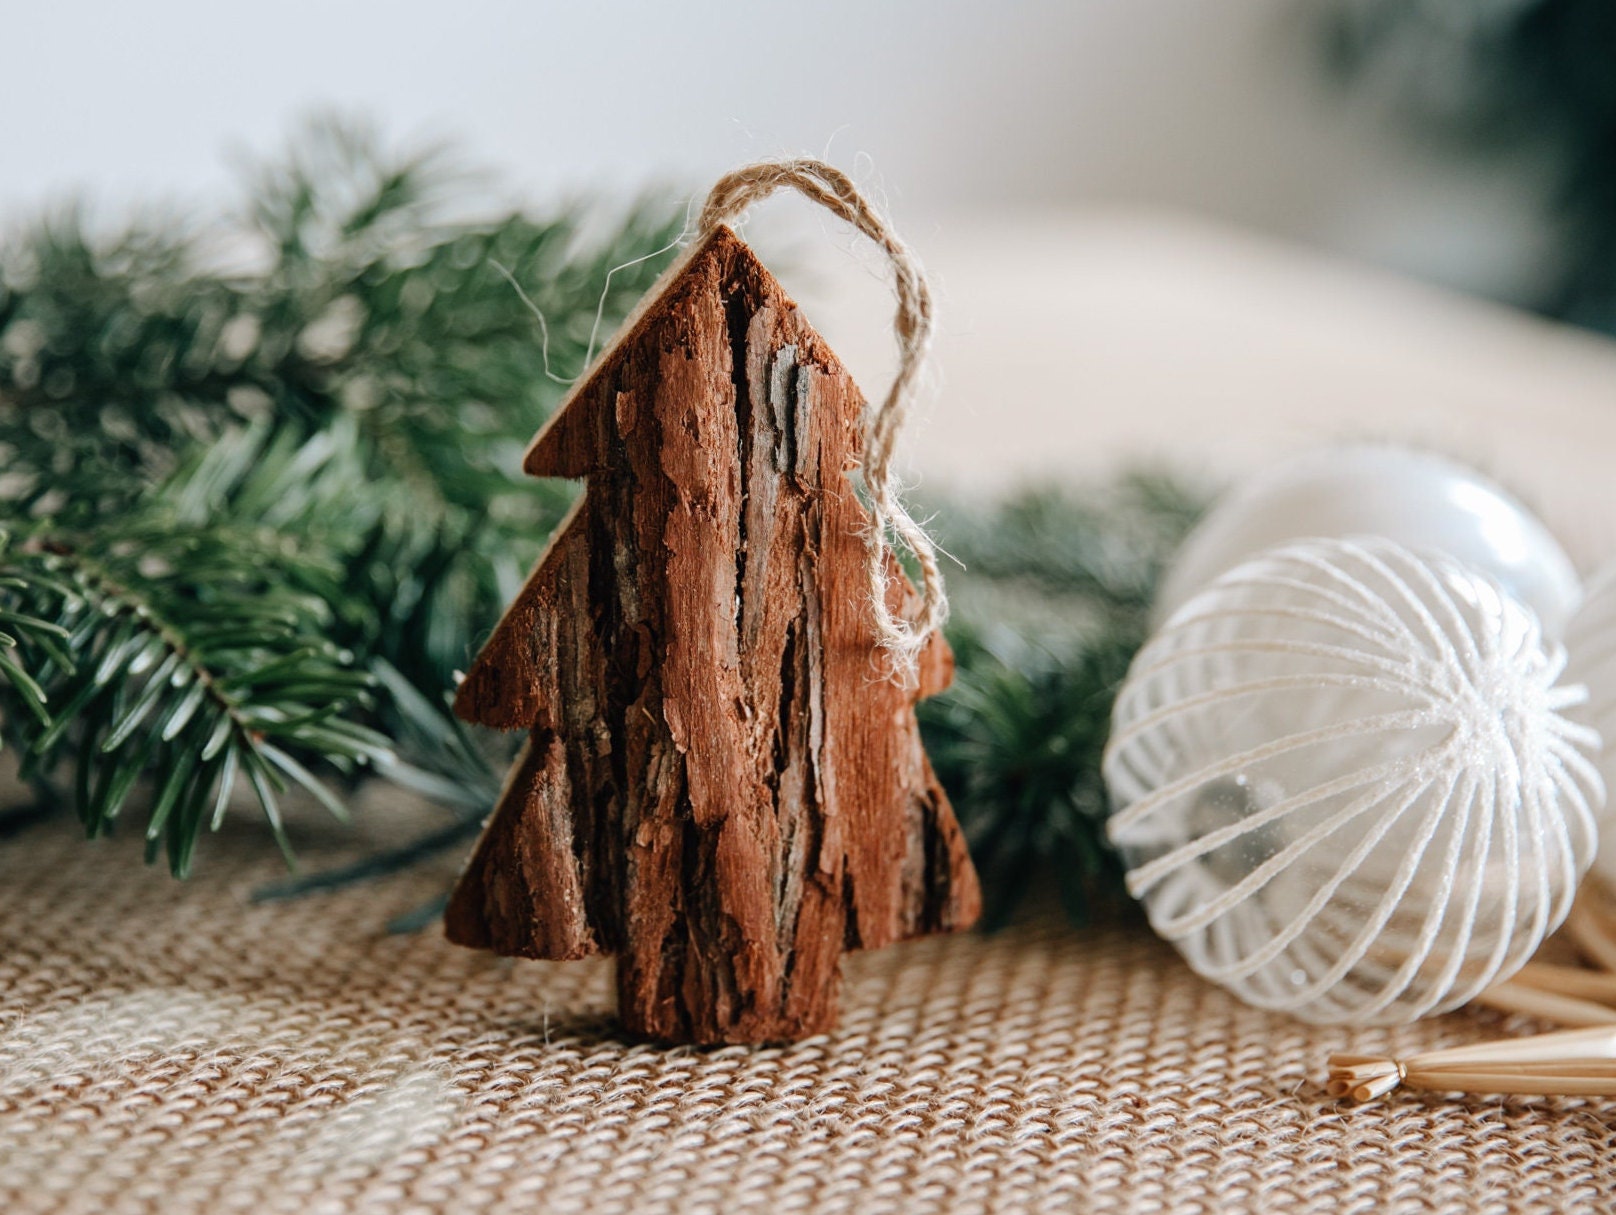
(177,1048)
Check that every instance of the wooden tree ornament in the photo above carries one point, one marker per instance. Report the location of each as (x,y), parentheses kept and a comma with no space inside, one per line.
(722,786)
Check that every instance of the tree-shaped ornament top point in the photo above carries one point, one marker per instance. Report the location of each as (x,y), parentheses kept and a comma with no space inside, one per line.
(721,786)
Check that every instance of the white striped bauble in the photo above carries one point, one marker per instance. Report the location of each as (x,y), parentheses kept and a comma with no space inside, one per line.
(1345,785)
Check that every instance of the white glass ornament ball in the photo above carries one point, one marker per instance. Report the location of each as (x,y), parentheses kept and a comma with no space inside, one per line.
(1591,661)
(1424,501)
(1343,784)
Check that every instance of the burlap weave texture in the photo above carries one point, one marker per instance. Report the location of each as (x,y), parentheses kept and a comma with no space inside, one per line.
(175,1048)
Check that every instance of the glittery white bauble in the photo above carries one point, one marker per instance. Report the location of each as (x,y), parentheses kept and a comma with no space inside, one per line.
(1343,785)
(1591,661)
(1423,501)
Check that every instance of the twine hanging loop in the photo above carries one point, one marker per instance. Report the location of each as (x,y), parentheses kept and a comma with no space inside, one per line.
(902,635)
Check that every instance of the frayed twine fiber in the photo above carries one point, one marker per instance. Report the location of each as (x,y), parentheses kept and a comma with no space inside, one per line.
(902,636)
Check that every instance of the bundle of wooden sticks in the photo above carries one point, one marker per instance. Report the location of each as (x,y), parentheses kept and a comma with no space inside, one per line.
(1579,1060)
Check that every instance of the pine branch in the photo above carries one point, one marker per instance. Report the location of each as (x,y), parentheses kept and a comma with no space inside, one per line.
(1049,610)
(122,356)
(234,494)
(184,657)
(1017,743)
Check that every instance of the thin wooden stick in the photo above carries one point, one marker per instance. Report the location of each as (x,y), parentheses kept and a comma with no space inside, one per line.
(1515,997)
(1590,932)
(1582,1078)
(1573,1063)
(1569,981)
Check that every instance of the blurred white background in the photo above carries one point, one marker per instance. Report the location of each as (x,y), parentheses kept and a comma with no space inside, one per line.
(947,107)
(1140,215)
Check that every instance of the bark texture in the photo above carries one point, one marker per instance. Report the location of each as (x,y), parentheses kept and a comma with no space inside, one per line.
(719,787)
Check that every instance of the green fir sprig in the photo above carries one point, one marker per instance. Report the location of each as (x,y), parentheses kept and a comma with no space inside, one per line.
(261,486)
(195,658)
(1050,606)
